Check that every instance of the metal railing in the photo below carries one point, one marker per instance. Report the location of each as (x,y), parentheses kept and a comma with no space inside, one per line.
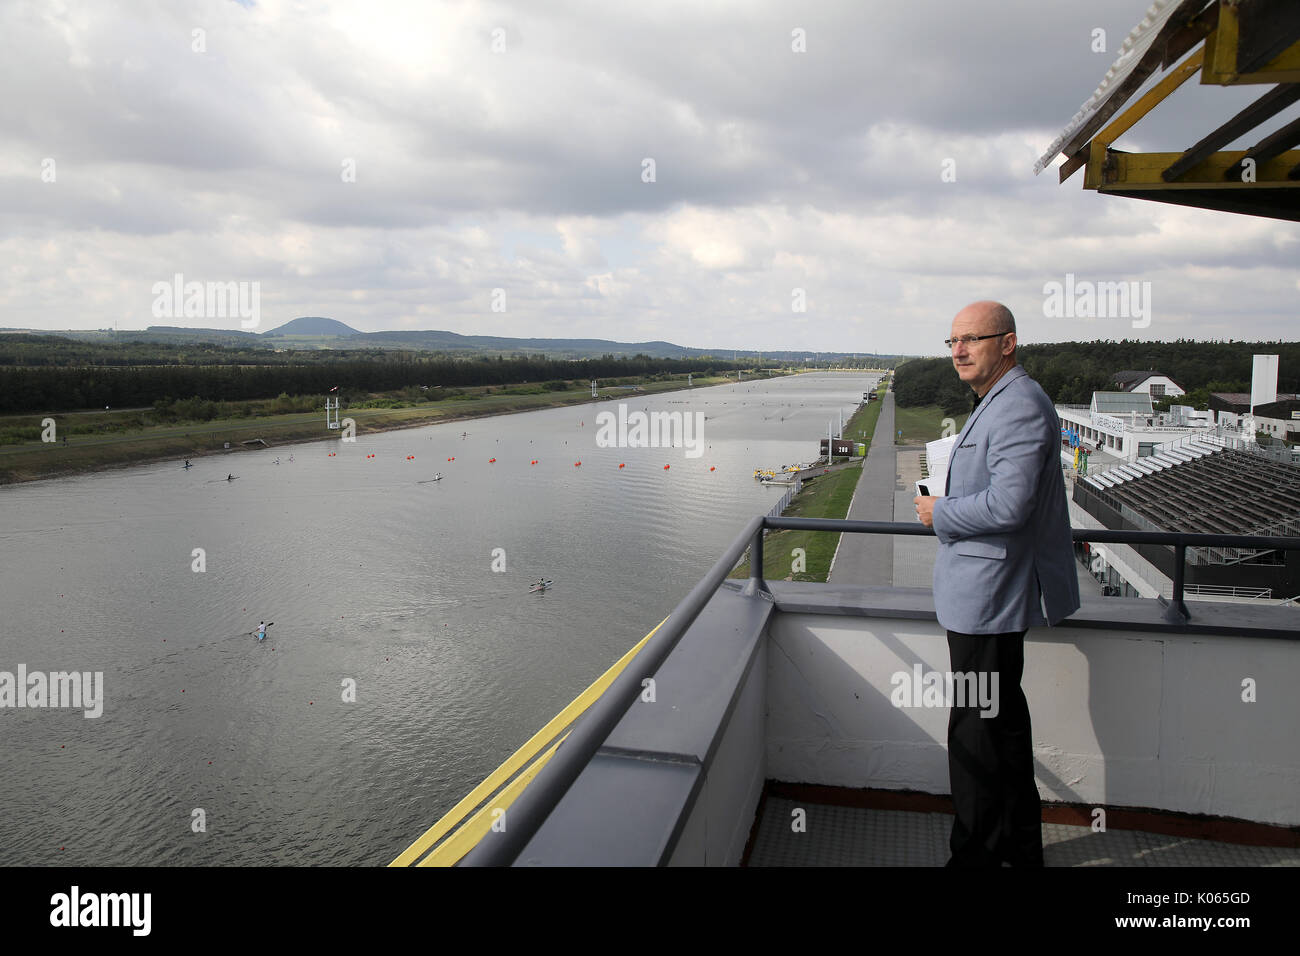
(779,508)
(530,810)
(1228,590)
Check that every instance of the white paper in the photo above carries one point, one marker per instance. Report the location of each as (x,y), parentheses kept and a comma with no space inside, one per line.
(937,454)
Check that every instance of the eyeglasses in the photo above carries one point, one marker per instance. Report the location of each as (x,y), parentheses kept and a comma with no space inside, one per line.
(969,340)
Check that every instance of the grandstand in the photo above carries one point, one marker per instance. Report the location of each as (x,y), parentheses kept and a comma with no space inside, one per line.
(1207,485)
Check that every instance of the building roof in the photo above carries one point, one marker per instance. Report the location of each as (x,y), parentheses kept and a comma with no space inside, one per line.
(1282,408)
(1131,379)
(1188,494)
(1118,83)
(1120,403)
(1241,400)
(1225,43)
(1233,398)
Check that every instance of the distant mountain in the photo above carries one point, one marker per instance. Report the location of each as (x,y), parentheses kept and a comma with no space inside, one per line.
(317,332)
(313,325)
(177,334)
(442,341)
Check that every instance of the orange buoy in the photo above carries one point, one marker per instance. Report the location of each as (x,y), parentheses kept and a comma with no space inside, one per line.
(665,467)
(620,464)
(577,464)
(490,460)
(713,468)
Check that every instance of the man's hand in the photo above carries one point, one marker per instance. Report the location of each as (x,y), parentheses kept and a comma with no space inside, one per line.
(925,509)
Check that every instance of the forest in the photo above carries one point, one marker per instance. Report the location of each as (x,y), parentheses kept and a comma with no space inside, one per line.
(213,374)
(1071,371)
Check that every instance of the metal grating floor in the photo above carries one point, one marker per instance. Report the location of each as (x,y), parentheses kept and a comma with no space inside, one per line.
(849,836)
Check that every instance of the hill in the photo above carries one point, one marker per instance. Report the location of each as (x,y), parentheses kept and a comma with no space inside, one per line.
(313,325)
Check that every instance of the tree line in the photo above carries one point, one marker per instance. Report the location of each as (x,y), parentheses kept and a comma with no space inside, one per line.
(1071,371)
(67,388)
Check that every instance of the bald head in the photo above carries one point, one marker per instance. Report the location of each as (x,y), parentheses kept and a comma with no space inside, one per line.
(991,351)
(995,315)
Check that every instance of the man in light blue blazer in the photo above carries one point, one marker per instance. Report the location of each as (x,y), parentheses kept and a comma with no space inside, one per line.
(1005,563)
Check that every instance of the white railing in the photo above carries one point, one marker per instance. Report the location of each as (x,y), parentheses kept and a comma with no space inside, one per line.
(779,508)
(1224,590)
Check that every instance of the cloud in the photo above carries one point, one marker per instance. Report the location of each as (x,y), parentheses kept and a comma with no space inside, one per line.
(389,164)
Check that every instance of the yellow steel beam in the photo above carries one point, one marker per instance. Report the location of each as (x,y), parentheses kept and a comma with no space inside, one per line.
(1171,81)
(1123,122)
(1142,171)
(517,760)
(1221,58)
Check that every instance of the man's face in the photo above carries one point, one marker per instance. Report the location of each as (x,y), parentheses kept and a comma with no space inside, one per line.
(979,362)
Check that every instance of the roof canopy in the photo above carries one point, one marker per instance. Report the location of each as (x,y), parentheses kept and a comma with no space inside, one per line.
(1121,403)
(1226,43)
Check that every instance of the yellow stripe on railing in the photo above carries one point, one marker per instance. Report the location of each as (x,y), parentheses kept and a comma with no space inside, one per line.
(449,852)
(471,831)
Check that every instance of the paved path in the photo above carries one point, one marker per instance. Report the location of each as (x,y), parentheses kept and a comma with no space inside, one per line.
(913,557)
(868,559)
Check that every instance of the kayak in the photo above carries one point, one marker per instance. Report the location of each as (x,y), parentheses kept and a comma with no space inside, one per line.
(539,588)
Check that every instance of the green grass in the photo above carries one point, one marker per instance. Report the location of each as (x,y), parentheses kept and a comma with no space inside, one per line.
(924,423)
(827,496)
(861,427)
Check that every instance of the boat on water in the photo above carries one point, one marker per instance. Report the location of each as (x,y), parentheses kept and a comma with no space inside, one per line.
(437,477)
(540,586)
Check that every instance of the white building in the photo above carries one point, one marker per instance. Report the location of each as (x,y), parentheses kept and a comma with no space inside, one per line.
(1156,384)
(1120,426)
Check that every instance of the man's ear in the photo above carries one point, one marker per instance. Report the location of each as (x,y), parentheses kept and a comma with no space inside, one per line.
(1009,349)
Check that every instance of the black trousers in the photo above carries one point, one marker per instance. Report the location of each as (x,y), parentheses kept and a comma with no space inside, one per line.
(991,759)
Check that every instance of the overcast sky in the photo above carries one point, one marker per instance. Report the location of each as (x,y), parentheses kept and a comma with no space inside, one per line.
(390,165)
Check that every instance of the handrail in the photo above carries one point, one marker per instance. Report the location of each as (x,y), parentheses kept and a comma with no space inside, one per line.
(468,833)
(589,732)
(534,805)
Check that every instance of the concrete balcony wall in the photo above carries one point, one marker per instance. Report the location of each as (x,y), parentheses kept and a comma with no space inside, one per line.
(799,687)
(719,821)
(1121,717)
(679,778)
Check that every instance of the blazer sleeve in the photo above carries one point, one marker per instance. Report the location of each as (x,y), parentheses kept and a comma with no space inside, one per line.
(1015,452)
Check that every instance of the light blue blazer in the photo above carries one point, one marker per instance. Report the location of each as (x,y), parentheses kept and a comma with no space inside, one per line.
(1006,560)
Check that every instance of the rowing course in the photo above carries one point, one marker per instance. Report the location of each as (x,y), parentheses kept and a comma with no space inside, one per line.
(370,577)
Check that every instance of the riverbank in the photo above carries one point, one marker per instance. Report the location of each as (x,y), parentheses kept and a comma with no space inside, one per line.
(825,496)
(807,555)
(35,461)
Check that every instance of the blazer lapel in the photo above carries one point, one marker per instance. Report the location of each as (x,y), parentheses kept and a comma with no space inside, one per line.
(1011,375)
